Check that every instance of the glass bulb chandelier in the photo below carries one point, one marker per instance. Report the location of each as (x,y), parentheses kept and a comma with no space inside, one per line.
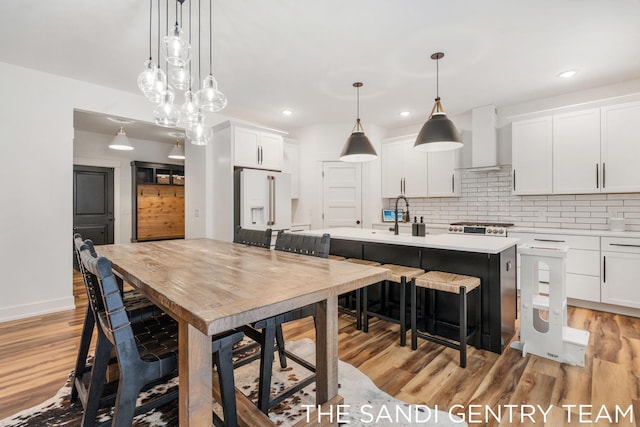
(159,85)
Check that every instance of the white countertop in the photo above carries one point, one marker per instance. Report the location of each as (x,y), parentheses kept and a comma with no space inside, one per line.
(454,242)
(576,232)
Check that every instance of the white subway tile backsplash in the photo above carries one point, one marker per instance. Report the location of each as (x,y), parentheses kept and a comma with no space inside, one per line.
(486,196)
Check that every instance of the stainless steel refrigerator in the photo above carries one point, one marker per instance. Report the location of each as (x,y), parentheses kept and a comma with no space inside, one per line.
(262,199)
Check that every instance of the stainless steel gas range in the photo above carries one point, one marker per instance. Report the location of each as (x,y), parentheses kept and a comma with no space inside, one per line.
(498,229)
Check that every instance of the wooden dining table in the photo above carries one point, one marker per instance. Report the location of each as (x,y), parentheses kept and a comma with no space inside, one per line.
(210,286)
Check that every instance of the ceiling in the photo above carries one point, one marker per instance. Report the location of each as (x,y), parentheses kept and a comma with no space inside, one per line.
(304,55)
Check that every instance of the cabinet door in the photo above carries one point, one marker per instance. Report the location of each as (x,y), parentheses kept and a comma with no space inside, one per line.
(620,145)
(416,171)
(620,279)
(392,172)
(532,155)
(576,152)
(291,166)
(272,151)
(443,177)
(246,143)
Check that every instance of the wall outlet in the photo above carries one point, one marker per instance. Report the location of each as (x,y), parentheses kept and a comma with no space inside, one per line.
(196,213)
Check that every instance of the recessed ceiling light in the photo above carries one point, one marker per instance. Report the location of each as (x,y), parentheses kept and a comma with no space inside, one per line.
(176,134)
(567,74)
(405,113)
(120,120)
(287,112)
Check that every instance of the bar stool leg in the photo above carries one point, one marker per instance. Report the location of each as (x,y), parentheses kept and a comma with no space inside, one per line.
(403,311)
(365,309)
(414,331)
(358,310)
(479,317)
(463,327)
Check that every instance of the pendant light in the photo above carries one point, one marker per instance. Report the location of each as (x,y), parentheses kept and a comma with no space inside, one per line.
(177,152)
(438,133)
(121,142)
(167,114)
(209,98)
(358,148)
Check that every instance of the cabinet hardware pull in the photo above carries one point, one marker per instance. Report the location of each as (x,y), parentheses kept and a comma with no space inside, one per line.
(400,185)
(544,282)
(549,240)
(626,245)
(597,176)
(603,175)
(453,183)
(258,153)
(514,180)
(604,269)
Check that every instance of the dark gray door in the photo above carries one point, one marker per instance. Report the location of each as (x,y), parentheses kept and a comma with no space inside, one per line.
(93,203)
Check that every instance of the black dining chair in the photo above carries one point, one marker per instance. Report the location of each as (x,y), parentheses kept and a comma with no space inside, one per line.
(138,308)
(146,352)
(259,238)
(267,330)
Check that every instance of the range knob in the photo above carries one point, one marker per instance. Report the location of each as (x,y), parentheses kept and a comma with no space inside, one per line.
(501,231)
(450,228)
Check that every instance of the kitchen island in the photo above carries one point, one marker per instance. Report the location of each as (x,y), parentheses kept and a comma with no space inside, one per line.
(492,259)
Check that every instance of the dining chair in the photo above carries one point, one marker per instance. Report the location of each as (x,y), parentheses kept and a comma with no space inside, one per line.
(267,330)
(138,308)
(259,238)
(146,352)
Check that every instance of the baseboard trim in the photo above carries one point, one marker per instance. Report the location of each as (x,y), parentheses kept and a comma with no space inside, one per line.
(36,309)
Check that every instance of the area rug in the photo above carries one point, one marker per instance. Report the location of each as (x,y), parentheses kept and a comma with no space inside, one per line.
(365,404)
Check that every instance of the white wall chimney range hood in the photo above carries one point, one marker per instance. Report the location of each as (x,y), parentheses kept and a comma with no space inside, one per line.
(484,140)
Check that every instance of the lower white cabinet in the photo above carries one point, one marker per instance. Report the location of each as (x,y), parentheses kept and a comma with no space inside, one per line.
(583,265)
(620,271)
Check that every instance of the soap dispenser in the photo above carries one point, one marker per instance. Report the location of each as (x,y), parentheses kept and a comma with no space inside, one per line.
(421,228)
(414,226)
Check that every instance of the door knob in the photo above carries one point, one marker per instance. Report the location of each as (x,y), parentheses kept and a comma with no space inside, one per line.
(358,222)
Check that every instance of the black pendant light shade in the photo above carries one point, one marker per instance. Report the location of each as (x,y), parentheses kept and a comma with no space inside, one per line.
(438,133)
(358,148)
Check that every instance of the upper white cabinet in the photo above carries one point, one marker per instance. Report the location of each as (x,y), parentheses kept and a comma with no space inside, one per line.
(256,148)
(620,148)
(404,170)
(589,151)
(291,166)
(413,173)
(576,152)
(532,155)
(443,179)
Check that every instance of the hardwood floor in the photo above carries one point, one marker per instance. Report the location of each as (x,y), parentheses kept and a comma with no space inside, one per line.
(36,355)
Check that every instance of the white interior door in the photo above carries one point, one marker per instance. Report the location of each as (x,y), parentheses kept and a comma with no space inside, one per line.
(341,194)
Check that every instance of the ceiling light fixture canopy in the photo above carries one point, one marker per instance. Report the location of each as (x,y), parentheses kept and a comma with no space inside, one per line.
(121,142)
(438,133)
(358,148)
(177,152)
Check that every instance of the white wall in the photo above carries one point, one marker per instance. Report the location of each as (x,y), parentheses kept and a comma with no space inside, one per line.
(91,149)
(36,117)
(324,142)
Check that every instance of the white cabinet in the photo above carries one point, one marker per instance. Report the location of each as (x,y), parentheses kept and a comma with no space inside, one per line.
(291,165)
(620,148)
(532,156)
(443,180)
(413,173)
(576,152)
(620,271)
(255,148)
(588,151)
(404,170)
(582,262)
